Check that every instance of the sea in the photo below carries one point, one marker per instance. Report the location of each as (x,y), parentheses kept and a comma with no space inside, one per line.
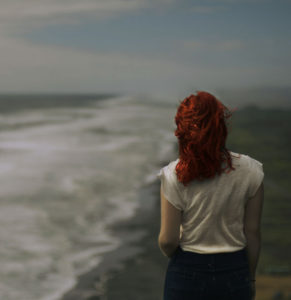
(70,166)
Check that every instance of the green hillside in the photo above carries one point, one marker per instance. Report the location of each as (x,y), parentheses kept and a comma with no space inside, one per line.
(264,134)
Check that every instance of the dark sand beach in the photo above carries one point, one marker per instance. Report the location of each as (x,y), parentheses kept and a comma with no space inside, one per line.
(135,270)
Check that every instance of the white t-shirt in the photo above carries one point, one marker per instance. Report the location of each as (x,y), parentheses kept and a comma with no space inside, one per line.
(213,209)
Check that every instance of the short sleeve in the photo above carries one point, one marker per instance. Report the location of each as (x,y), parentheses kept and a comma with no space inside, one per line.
(170,188)
(256,177)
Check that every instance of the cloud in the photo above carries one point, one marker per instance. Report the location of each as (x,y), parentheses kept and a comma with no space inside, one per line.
(26,67)
(236,1)
(29,67)
(193,45)
(16,14)
(226,45)
(49,8)
(229,45)
(206,9)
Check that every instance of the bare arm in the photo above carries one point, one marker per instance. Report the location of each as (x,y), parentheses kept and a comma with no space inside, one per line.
(169,235)
(252,228)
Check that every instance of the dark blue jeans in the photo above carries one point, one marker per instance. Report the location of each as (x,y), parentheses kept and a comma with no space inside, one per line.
(195,276)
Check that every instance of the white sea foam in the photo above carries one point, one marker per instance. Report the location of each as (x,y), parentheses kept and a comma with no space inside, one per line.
(66,174)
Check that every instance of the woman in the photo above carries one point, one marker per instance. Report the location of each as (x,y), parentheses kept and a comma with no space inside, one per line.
(211,206)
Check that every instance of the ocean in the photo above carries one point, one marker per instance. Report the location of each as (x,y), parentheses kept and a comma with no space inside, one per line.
(70,168)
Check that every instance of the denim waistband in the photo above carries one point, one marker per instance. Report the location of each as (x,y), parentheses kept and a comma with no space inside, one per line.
(237,258)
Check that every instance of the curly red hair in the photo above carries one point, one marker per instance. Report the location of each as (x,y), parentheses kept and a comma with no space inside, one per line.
(202,132)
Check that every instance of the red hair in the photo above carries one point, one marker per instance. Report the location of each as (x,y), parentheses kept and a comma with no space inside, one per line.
(201,132)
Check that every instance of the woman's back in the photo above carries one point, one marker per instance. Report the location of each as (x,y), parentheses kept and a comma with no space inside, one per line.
(213,209)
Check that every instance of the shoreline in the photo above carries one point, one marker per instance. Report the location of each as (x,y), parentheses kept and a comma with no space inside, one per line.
(137,265)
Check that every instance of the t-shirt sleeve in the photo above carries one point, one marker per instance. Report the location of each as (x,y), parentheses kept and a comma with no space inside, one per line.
(170,188)
(256,178)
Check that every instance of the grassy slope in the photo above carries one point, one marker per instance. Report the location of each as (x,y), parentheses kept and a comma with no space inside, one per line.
(264,134)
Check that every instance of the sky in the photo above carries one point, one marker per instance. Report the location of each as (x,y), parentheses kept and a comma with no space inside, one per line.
(162,47)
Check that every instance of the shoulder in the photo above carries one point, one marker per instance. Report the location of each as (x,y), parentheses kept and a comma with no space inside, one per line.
(238,158)
(253,163)
(244,160)
(169,171)
(250,166)
(170,166)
